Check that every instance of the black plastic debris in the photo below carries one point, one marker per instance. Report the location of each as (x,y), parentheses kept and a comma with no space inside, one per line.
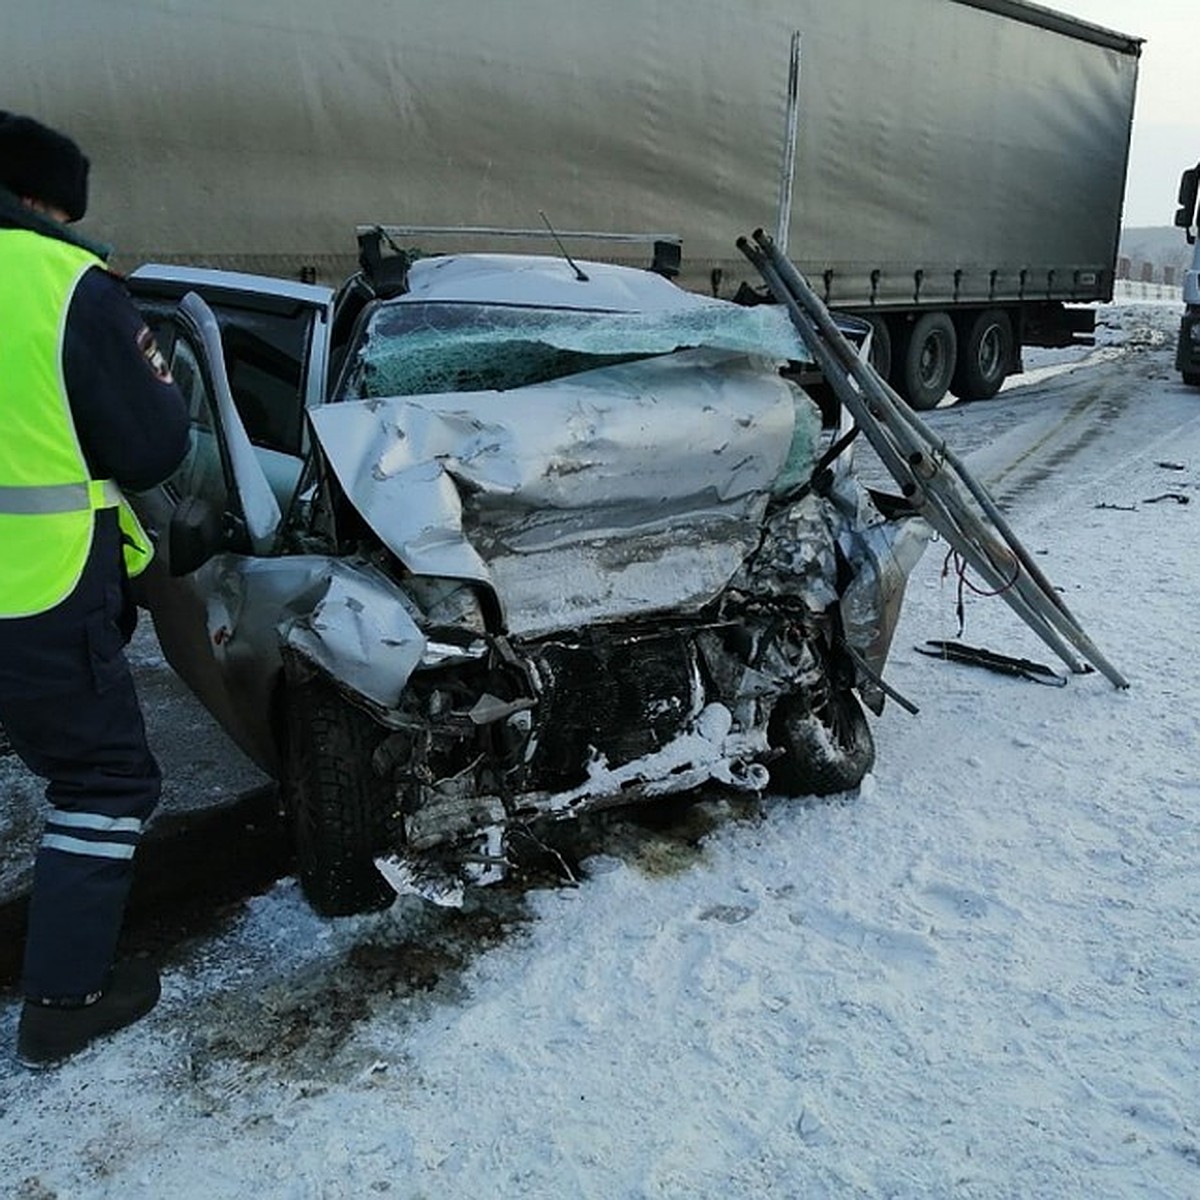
(1002,664)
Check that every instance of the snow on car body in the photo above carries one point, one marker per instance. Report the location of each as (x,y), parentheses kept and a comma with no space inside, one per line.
(556,536)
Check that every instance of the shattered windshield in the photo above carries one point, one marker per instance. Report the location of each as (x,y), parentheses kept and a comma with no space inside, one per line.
(420,348)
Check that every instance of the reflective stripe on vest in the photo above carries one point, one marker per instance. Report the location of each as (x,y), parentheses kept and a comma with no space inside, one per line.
(47,498)
(60,497)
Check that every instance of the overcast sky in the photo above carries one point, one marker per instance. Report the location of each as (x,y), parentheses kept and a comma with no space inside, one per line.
(1166,123)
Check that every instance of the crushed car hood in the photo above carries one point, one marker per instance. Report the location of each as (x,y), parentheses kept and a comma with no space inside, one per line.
(622,491)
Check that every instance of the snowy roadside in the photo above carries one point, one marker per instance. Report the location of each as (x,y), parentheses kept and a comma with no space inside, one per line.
(977,978)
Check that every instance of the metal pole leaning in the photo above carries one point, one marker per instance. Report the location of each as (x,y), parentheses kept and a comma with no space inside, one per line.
(976,546)
(795,281)
(929,472)
(918,461)
(881,390)
(825,359)
(925,477)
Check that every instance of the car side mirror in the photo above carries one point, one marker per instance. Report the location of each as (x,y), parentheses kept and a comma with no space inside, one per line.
(194,535)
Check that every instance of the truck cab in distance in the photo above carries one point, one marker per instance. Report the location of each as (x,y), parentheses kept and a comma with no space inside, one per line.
(1187,353)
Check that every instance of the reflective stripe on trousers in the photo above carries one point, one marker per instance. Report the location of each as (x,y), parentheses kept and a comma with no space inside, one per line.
(91,834)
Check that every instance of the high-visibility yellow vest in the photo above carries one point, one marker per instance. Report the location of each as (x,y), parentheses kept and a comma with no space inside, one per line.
(48,498)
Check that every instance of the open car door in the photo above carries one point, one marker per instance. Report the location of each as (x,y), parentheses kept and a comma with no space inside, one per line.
(214,515)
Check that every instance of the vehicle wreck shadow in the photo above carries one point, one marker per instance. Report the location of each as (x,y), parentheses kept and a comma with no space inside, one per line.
(293,1014)
(662,838)
(300,1017)
(303,1015)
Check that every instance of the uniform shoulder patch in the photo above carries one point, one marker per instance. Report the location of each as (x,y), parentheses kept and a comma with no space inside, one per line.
(148,345)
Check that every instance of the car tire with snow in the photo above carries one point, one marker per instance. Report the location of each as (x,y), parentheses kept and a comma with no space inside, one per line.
(827,747)
(338,805)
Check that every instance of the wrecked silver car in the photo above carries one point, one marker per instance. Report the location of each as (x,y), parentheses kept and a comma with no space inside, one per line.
(483,541)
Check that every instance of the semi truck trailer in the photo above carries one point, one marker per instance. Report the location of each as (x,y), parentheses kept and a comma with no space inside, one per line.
(951,170)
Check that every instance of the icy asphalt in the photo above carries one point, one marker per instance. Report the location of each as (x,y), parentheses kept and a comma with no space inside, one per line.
(976,977)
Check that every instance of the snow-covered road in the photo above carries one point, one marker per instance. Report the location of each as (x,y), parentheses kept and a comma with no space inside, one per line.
(979,977)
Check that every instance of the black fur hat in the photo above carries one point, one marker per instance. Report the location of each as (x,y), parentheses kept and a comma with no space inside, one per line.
(39,162)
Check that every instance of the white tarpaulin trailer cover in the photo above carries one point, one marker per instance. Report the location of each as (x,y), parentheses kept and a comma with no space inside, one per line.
(969,140)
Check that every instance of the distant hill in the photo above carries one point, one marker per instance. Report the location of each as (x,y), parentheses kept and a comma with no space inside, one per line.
(1162,247)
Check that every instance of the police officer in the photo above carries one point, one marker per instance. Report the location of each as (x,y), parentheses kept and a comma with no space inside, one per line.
(87,410)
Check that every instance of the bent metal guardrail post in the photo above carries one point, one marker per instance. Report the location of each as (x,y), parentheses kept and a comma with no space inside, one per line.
(903,457)
(929,474)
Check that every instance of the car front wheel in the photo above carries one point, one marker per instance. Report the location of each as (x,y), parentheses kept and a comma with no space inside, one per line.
(827,746)
(338,805)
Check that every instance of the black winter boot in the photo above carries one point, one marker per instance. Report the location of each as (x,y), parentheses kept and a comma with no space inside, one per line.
(50,1032)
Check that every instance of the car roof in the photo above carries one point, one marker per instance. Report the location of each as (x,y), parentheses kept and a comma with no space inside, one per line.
(543,281)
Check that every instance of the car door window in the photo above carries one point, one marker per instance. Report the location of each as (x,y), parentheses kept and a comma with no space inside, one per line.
(265,358)
(265,378)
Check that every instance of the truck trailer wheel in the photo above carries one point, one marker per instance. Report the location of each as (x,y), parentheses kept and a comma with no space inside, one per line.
(337,804)
(984,354)
(827,747)
(926,364)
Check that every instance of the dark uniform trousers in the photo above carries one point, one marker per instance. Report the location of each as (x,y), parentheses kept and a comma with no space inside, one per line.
(68,705)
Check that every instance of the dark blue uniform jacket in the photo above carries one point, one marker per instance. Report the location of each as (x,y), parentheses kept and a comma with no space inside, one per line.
(133,428)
